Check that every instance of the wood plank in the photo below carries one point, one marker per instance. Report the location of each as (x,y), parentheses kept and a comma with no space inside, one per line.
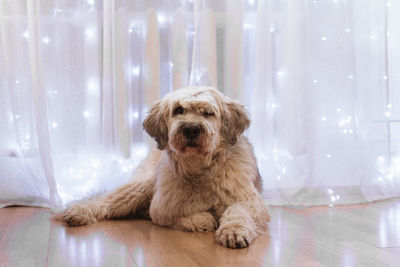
(363,235)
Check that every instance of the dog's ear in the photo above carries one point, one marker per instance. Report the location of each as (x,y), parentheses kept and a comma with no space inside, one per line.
(234,120)
(155,125)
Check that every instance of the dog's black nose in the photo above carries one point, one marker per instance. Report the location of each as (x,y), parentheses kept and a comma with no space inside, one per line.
(191,131)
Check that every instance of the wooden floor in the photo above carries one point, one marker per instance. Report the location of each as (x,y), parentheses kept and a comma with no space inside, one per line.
(359,235)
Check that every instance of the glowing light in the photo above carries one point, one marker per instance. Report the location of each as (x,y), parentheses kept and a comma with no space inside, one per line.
(54,124)
(17,82)
(381,159)
(161,18)
(92,86)
(90,2)
(283,170)
(323,38)
(171,64)
(274,150)
(135,115)
(280,73)
(385,77)
(329,156)
(372,36)
(315,2)
(389,106)
(46,40)
(247,26)
(344,122)
(89,33)
(388,4)
(315,81)
(17,116)
(57,11)
(251,2)
(26,34)
(323,118)
(330,191)
(338,109)
(136,70)
(278,177)
(333,198)
(347,30)
(86,114)
(351,77)
(380,179)
(130,30)
(272,29)
(387,113)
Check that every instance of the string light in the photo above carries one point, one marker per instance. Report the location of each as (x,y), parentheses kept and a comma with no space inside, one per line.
(136,71)
(161,18)
(135,115)
(89,33)
(86,114)
(247,26)
(46,40)
(26,34)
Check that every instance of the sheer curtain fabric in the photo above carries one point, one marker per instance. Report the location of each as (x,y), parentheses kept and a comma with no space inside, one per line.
(320,79)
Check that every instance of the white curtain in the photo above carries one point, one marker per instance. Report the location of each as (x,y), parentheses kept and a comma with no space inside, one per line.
(321,79)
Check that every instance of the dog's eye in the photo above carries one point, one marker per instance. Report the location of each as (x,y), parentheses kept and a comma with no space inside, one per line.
(208,114)
(178,110)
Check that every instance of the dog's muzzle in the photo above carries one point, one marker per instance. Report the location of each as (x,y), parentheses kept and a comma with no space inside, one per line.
(191,132)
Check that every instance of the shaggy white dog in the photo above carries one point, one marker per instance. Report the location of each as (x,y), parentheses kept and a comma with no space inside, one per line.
(203,177)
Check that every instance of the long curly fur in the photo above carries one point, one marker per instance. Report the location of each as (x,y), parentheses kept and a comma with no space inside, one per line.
(203,177)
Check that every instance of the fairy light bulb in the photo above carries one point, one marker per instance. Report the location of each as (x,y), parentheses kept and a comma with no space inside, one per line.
(46,40)
(136,71)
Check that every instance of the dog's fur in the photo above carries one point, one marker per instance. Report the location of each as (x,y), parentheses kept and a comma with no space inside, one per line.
(203,177)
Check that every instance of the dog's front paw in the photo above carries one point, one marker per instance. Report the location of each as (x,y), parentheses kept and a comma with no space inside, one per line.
(234,237)
(79,215)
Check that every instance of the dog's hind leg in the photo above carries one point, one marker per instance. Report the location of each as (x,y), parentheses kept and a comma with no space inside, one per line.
(132,198)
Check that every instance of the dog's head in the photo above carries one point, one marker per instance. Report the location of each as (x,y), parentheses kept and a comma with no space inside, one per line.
(195,120)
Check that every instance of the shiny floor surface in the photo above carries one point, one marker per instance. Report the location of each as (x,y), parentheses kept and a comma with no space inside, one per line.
(358,235)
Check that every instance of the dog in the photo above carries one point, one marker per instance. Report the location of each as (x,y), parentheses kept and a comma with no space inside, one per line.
(203,176)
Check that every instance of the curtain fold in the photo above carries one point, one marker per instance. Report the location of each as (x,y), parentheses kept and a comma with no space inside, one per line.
(320,80)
